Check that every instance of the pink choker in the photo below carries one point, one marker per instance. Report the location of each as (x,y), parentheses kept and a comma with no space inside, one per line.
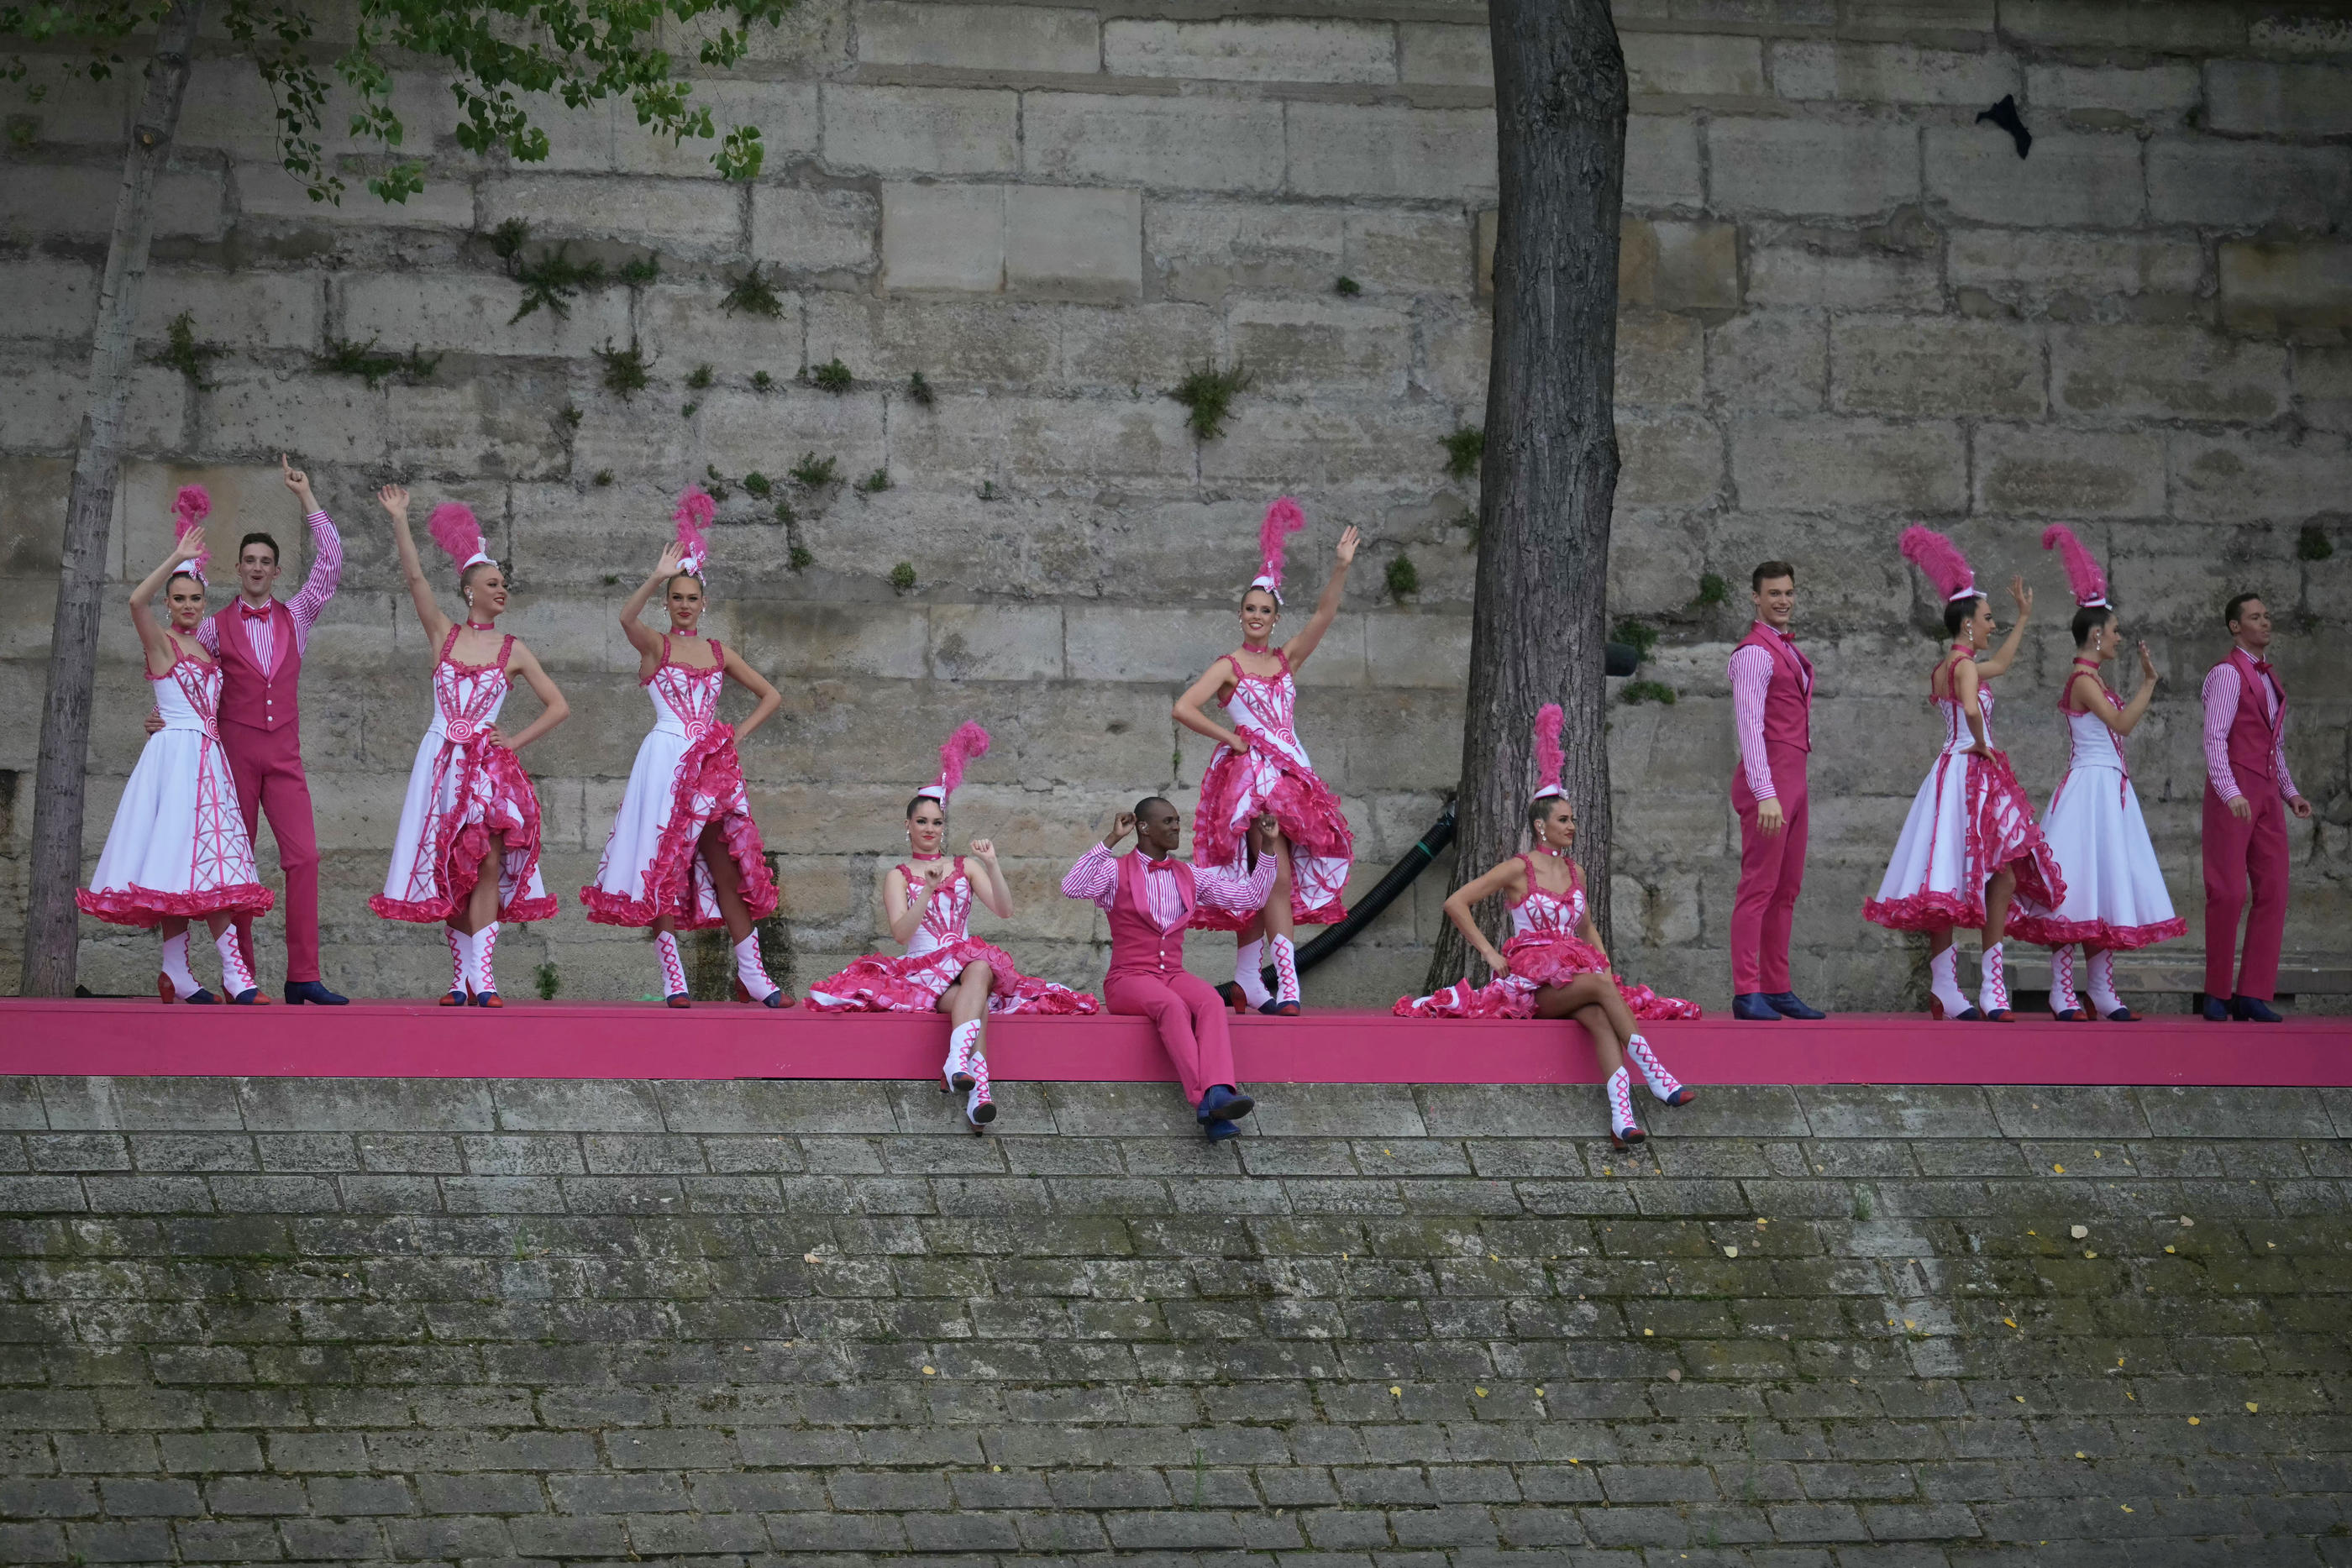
(481,625)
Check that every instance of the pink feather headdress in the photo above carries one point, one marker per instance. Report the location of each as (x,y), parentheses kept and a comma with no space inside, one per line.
(694,510)
(2090,583)
(190,508)
(453,528)
(1550,760)
(968,742)
(1282,520)
(1941,559)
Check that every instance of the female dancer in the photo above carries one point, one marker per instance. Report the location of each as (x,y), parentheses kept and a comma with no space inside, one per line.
(1259,767)
(945,968)
(1969,842)
(683,854)
(1553,966)
(468,851)
(177,850)
(2116,897)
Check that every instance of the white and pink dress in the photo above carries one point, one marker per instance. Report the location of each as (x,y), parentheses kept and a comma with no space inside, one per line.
(935,958)
(464,789)
(2114,893)
(1970,819)
(1543,949)
(178,848)
(687,777)
(1274,776)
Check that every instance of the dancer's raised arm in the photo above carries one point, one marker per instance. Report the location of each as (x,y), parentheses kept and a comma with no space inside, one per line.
(642,637)
(990,886)
(2006,655)
(161,652)
(2123,720)
(394,501)
(1326,609)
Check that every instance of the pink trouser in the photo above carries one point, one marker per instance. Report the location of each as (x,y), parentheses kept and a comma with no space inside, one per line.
(1190,1017)
(267,767)
(1771,870)
(2235,852)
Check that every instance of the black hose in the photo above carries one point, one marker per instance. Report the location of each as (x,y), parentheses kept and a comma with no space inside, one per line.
(1383,894)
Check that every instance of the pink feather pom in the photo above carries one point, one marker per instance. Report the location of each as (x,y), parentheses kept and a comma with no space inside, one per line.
(1282,520)
(2090,583)
(190,508)
(1550,760)
(968,742)
(694,510)
(1941,559)
(453,528)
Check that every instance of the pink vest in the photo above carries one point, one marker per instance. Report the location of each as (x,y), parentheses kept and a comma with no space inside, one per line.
(1789,700)
(251,696)
(2253,735)
(1138,946)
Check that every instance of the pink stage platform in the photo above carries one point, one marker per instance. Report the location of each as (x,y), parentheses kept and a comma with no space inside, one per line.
(561,1040)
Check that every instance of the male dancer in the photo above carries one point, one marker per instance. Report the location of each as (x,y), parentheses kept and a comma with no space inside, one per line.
(1773,713)
(2246,786)
(260,644)
(1150,896)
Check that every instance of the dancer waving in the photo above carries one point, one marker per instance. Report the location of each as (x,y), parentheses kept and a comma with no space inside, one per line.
(1259,768)
(1969,842)
(1553,966)
(928,898)
(683,854)
(178,849)
(467,853)
(2115,898)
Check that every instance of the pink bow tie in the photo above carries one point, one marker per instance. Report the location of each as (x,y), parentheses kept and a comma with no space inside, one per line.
(263,613)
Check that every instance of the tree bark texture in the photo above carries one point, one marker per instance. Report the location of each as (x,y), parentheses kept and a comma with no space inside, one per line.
(1550,477)
(52,924)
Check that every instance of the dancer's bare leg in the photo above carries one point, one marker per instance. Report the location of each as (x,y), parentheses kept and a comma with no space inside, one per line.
(726,881)
(482,904)
(1592,1000)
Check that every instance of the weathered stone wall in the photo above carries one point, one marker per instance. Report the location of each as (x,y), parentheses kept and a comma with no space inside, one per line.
(1847,307)
(760,1324)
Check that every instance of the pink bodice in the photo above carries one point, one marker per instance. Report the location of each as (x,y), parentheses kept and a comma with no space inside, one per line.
(946,917)
(1266,707)
(1547,913)
(188,695)
(1956,719)
(686,700)
(467,698)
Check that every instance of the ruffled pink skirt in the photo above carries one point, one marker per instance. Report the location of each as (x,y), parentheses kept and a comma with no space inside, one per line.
(1236,789)
(487,796)
(914,983)
(1960,834)
(636,886)
(1539,959)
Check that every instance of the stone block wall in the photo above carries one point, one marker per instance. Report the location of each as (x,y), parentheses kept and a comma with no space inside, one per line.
(1847,306)
(785,1323)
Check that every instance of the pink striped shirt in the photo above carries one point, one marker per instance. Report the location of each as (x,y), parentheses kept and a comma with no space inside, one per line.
(2222,687)
(1096,879)
(326,571)
(1751,672)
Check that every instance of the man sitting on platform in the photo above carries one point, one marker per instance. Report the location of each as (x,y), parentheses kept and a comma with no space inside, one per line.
(1151,897)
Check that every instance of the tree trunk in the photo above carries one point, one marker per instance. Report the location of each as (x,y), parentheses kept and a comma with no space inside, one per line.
(1538,627)
(52,924)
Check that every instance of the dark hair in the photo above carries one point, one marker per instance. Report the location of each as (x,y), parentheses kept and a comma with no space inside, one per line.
(1539,811)
(175,577)
(1152,800)
(1767,572)
(1959,612)
(918,799)
(276,555)
(2089,619)
(1262,588)
(2230,615)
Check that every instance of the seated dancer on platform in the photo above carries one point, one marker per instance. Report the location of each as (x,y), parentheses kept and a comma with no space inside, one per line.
(178,850)
(683,854)
(1969,842)
(2115,898)
(466,855)
(1259,766)
(1152,898)
(1553,966)
(928,898)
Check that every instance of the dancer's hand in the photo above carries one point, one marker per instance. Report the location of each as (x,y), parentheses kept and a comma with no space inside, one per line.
(496,736)
(931,874)
(188,546)
(1767,815)
(299,483)
(1500,965)
(1347,547)
(2023,595)
(985,849)
(1981,748)
(2301,807)
(671,556)
(2147,666)
(394,498)
(1121,825)
(2241,809)
(1266,832)
(154,721)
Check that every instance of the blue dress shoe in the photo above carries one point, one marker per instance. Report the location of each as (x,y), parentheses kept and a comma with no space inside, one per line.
(1789,1006)
(1224,1103)
(2123,1015)
(301,991)
(1219,1132)
(1752,1006)
(202,998)
(249,996)
(1280,1009)
(2252,1009)
(2216,1010)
